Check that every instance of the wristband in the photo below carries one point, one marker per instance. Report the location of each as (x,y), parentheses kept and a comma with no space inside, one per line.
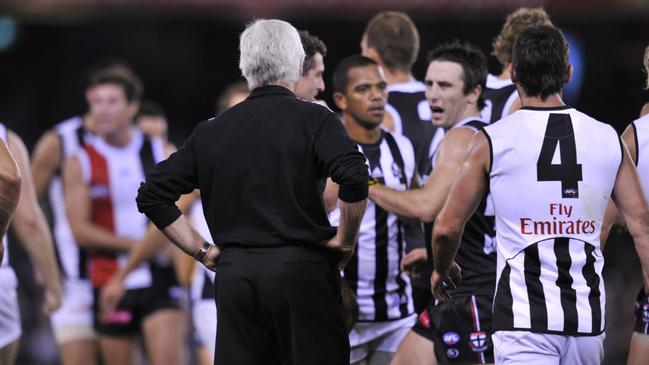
(372,181)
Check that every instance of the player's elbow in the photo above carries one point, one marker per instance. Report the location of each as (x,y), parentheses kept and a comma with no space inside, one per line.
(27,226)
(81,235)
(10,182)
(639,227)
(446,230)
(423,213)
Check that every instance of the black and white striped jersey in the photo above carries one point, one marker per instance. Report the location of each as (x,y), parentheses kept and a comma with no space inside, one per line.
(374,272)
(499,97)
(412,117)
(477,252)
(552,174)
(71,259)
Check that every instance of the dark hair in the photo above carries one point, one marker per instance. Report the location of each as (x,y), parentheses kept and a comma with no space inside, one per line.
(238,87)
(341,73)
(394,36)
(311,45)
(541,60)
(119,74)
(472,60)
(151,108)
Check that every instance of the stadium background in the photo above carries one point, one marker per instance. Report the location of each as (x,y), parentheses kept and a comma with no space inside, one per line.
(186,53)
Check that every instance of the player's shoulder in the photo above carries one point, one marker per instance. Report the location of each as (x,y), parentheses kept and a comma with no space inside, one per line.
(69,124)
(494,82)
(642,122)
(592,123)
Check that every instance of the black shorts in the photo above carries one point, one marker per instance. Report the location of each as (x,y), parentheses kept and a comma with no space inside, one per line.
(137,304)
(460,329)
(642,313)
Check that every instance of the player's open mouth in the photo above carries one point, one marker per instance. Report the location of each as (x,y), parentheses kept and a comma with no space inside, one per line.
(436,109)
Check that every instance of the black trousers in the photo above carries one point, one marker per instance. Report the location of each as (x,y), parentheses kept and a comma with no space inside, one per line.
(279,305)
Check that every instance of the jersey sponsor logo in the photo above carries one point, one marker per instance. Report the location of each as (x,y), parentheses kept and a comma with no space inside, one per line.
(451,338)
(478,341)
(452,353)
(562,223)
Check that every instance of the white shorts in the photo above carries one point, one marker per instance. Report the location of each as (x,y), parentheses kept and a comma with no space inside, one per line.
(523,347)
(204,318)
(368,337)
(73,320)
(9,314)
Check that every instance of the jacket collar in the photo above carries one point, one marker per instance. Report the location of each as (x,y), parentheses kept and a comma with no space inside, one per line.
(270,90)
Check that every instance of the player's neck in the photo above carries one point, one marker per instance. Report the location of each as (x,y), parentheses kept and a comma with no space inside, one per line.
(551,101)
(360,134)
(470,112)
(88,123)
(397,76)
(120,138)
(505,75)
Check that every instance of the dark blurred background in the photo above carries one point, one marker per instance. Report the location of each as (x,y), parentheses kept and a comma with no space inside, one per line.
(186,53)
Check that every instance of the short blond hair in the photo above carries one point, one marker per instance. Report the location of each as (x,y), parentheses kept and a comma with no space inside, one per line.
(515,23)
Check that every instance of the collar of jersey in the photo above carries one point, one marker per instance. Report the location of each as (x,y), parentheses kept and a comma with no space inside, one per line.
(546,107)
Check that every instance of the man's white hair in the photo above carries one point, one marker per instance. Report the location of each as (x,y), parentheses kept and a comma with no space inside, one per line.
(271,52)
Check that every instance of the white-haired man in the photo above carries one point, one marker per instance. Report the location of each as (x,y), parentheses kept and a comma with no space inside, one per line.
(260,167)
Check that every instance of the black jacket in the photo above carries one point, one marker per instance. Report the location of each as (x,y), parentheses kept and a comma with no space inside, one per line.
(260,167)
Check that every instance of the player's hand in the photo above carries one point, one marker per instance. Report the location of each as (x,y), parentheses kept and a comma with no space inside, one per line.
(110,295)
(441,284)
(415,262)
(51,298)
(345,250)
(211,257)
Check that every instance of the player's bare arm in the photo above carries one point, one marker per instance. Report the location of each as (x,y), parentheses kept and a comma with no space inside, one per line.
(346,236)
(632,204)
(612,216)
(10,182)
(45,161)
(31,228)
(425,203)
(79,210)
(463,199)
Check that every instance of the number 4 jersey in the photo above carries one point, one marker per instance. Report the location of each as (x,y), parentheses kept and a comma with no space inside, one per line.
(552,174)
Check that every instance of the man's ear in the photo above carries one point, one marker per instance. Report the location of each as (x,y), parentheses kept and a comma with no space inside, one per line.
(512,72)
(568,74)
(474,94)
(340,100)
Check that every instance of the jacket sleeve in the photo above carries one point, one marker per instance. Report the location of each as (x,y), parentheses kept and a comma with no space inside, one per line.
(340,160)
(171,178)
